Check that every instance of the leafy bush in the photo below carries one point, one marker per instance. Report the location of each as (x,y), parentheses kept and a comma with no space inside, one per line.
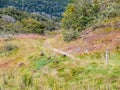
(25,26)
(32,26)
(111,10)
(71,35)
(51,7)
(13,20)
(79,16)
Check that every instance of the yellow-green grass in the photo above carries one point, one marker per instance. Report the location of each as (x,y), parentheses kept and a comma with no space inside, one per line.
(56,72)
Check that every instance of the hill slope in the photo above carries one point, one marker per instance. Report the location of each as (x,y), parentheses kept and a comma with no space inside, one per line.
(94,39)
(39,62)
(47,62)
(51,7)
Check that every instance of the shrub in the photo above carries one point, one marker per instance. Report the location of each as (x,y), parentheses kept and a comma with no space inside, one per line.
(111,10)
(71,35)
(9,47)
(79,16)
(32,26)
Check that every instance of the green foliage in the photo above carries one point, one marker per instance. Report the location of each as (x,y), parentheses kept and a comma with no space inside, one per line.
(17,14)
(32,26)
(51,7)
(24,22)
(80,14)
(71,35)
(111,10)
(53,71)
(38,62)
(51,26)
(41,62)
(3,3)
(78,17)
(27,80)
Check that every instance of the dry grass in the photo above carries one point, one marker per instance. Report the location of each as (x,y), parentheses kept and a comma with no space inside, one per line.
(25,69)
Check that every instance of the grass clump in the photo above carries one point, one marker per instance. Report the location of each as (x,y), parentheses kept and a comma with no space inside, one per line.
(8,47)
(39,62)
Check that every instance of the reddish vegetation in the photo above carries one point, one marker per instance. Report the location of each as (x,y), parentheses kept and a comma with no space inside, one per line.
(95,41)
(28,36)
(5,64)
(1,39)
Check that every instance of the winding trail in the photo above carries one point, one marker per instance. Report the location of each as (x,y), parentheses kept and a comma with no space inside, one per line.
(58,51)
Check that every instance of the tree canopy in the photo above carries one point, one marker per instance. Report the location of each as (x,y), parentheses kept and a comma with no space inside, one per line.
(51,7)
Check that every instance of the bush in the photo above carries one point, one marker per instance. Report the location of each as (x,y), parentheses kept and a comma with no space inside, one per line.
(111,10)
(77,18)
(32,26)
(9,47)
(71,35)
(24,26)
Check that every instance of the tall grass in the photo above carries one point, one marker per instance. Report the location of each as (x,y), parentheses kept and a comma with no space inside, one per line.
(56,72)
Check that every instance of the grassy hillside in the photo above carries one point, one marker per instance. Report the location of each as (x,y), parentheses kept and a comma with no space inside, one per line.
(33,58)
(96,38)
(33,62)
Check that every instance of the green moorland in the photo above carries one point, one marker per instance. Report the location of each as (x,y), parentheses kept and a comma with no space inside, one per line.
(36,56)
(23,66)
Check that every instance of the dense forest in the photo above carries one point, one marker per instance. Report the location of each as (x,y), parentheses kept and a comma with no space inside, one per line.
(46,7)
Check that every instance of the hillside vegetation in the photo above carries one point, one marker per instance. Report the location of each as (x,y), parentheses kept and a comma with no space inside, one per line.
(81,14)
(50,7)
(34,55)
(29,62)
(14,21)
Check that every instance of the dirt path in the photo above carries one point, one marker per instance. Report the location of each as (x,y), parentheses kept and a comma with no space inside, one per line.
(58,51)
